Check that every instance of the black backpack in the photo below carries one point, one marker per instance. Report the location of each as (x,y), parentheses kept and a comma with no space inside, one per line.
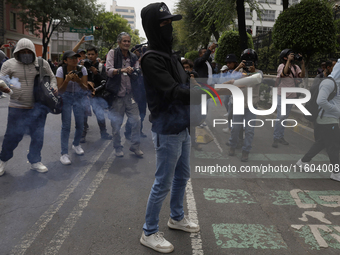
(313,107)
(43,91)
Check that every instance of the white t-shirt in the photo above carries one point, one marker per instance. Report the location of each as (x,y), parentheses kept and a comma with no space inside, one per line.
(72,86)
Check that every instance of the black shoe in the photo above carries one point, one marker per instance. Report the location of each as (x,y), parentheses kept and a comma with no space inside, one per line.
(245,155)
(197,146)
(275,143)
(106,136)
(82,140)
(142,134)
(231,152)
(283,141)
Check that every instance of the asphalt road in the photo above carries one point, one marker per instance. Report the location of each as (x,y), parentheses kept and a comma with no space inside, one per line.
(97,204)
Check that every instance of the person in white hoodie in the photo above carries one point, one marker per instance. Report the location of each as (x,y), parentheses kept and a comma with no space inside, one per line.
(326,127)
(23,113)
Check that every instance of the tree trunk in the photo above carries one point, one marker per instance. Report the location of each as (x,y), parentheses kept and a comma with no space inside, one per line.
(241,17)
(285,4)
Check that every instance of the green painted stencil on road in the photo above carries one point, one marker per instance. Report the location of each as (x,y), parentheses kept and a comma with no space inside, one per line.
(227,196)
(282,197)
(321,197)
(209,155)
(248,236)
(328,236)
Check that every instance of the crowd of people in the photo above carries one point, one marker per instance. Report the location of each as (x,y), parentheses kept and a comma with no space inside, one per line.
(128,81)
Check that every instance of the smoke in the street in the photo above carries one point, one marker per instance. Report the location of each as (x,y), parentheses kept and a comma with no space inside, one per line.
(11,81)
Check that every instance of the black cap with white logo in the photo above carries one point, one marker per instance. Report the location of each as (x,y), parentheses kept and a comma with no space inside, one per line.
(164,13)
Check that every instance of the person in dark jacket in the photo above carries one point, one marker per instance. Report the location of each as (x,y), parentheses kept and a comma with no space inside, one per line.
(202,64)
(168,102)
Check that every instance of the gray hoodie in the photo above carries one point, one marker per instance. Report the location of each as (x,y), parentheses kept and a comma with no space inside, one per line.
(23,97)
(332,107)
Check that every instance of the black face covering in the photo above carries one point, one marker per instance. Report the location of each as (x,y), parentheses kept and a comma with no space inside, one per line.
(166,32)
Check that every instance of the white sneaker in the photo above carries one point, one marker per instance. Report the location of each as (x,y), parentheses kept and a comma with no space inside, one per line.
(78,149)
(226,130)
(335,177)
(65,159)
(157,242)
(39,167)
(303,165)
(185,224)
(2,167)
(3,96)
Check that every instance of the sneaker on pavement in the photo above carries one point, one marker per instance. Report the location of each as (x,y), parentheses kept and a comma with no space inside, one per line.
(231,152)
(335,177)
(275,143)
(302,165)
(283,141)
(39,167)
(245,156)
(78,149)
(185,225)
(3,96)
(157,242)
(137,151)
(119,153)
(2,167)
(226,130)
(65,159)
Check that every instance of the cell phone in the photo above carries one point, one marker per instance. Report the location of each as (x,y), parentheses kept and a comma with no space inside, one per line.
(88,38)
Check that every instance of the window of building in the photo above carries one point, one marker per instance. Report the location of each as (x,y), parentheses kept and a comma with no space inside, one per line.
(132,11)
(248,13)
(267,1)
(128,16)
(291,2)
(267,15)
(262,30)
(122,10)
(13,21)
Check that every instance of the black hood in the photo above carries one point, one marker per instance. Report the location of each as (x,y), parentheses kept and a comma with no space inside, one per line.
(151,18)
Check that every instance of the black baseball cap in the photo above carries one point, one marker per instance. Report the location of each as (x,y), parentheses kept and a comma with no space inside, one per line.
(164,13)
(81,50)
(70,54)
(231,58)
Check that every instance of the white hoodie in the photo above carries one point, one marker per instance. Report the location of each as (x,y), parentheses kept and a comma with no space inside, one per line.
(23,97)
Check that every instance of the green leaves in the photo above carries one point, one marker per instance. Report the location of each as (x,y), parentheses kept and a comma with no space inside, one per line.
(307,28)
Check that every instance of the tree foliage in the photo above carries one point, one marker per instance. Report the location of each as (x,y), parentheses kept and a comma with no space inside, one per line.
(113,25)
(192,55)
(44,16)
(307,27)
(229,43)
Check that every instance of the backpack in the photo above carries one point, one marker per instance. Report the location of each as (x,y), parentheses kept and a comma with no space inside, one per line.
(43,91)
(313,107)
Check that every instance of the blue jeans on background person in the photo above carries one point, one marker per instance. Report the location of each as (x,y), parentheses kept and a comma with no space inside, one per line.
(71,101)
(249,131)
(172,171)
(278,128)
(20,122)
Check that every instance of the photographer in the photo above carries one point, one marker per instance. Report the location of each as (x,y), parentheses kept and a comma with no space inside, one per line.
(287,73)
(72,84)
(96,78)
(122,67)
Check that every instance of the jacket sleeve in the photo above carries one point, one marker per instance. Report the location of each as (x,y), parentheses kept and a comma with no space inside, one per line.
(110,63)
(326,88)
(200,61)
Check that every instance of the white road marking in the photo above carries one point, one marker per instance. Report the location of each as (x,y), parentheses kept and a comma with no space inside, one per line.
(215,140)
(47,216)
(317,215)
(196,241)
(64,231)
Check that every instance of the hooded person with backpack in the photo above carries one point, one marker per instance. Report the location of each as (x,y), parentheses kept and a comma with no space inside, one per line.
(326,126)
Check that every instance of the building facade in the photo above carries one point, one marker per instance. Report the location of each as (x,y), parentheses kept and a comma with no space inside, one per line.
(127,13)
(271,10)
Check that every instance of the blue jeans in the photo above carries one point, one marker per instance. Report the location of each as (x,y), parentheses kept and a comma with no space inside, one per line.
(172,171)
(19,122)
(71,101)
(278,128)
(249,131)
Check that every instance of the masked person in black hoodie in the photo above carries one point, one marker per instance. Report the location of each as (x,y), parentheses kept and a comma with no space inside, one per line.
(168,100)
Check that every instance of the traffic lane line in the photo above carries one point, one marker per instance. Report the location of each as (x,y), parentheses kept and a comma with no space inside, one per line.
(45,218)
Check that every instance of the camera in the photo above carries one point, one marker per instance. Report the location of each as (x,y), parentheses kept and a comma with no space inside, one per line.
(78,73)
(297,57)
(101,86)
(249,63)
(87,63)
